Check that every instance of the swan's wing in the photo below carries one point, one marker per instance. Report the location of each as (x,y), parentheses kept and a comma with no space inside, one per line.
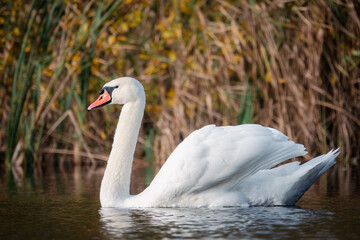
(220,158)
(284,185)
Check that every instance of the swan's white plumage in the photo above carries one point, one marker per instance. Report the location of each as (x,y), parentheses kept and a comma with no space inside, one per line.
(213,166)
(284,185)
(216,159)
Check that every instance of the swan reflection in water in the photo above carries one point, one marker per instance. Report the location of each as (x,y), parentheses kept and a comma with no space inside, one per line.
(252,222)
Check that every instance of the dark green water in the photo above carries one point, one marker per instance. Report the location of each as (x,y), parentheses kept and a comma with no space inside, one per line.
(64,204)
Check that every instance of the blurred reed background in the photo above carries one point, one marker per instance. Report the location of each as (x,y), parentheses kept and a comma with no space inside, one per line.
(291,65)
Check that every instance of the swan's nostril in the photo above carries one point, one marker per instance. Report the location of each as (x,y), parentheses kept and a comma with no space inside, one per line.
(101,97)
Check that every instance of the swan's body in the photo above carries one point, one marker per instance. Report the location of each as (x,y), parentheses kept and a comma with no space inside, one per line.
(213,166)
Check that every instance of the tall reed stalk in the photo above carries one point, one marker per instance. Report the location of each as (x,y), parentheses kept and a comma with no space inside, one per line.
(37,66)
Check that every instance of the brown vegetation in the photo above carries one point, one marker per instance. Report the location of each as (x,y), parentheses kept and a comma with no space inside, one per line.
(291,65)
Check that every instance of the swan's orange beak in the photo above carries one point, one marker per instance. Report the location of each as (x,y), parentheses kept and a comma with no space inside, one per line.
(104,99)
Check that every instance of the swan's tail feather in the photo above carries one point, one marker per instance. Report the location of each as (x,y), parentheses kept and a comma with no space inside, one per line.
(307,174)
(284,185)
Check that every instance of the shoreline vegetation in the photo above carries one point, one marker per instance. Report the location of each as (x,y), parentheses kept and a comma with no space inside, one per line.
(290,65)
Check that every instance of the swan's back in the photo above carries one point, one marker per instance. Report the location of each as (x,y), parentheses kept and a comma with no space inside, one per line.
(213,161)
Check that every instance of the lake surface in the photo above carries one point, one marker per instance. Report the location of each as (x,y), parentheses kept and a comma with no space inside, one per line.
(64,204)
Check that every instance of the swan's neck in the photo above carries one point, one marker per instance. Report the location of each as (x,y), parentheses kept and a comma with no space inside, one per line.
(116,181)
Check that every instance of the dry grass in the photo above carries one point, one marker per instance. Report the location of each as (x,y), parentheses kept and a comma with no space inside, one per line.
(296,61)
(291,65)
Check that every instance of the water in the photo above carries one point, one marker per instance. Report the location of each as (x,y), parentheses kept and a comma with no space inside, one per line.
(64,204)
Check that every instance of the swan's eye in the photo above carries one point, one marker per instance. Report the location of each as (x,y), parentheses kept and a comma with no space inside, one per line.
(116,86)
(101,91)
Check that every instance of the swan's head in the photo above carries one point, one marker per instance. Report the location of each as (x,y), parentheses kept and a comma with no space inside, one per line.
(119,91)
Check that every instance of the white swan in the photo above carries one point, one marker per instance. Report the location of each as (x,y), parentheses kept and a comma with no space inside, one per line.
(213,166)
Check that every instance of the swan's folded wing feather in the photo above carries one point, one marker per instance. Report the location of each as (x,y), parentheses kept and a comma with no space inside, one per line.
(284,185)
(221,157)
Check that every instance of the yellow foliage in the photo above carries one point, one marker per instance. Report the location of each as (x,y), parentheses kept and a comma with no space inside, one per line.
(16,31)
(163,65)
(135,18)
(185,6)
(154,109)
(238,57)
(111,40)
(103,135)
(53,105)
(124,27)
(168,33)
(122,38)
(170,96)
(150,69)
(189,113)
(75,59)
(48,73)
(172,56)
(75,62)
(143,56)
(268,77)
(333,78)
(85,27)
(49,70)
